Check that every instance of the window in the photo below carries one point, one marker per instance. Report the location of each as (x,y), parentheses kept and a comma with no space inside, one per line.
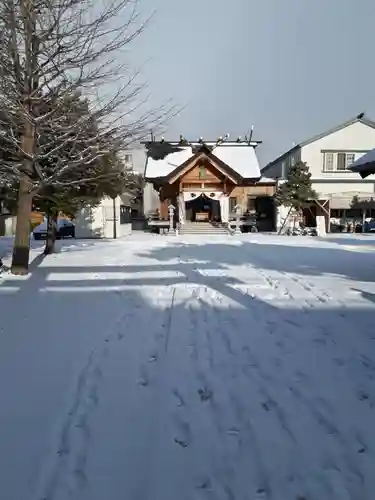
(350,158)
(232,204)
(339,161)
(292,160)
(202,172)
(125,214)
(328,162)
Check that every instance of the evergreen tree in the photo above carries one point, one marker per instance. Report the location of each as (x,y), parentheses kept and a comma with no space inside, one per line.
(80,182)
(297,191)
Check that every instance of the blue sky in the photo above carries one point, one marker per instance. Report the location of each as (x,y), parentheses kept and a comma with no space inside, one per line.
(292,68)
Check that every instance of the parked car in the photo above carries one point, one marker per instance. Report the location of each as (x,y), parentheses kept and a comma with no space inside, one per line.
(370,226)
(65,229)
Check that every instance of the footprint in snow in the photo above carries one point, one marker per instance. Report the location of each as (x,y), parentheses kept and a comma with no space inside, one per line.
(179,398)
(181,442)
(143,378)
(153,358)
(183,437)
(205,394)
(363,396)
(261,494)
(205,484)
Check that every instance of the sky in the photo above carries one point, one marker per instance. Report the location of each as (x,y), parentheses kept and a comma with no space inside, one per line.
(291,68)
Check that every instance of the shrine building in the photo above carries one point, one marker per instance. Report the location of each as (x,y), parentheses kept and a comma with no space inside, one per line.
(202,180)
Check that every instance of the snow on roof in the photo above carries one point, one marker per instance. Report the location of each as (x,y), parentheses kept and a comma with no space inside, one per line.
(267,180)
(239,156)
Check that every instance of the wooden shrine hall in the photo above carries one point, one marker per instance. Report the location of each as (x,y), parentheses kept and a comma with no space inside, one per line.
(199,178)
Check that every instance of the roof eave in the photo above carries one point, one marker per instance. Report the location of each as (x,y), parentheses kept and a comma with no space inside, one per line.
(248,181)
(281,157)
(332,130)
(315,138)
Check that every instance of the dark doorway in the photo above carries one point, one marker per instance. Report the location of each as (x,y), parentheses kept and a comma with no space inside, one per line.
(266,213)
(309,216)
(202,209)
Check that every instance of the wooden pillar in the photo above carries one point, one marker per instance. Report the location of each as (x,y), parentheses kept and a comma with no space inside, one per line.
(364,215)
(328,216)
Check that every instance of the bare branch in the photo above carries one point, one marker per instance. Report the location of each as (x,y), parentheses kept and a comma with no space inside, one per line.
(53,52)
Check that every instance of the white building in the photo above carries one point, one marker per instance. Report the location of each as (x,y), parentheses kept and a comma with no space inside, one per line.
(110,217)
(328,156)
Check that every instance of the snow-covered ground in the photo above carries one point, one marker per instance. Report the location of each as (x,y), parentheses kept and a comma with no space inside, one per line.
(162,368)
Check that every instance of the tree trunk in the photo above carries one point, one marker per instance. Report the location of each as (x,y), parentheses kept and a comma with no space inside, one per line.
(51,234)
(114,219)
(21,249)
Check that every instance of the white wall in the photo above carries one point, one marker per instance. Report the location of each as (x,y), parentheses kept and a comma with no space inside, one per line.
(7,225)
(355,137)
(89,222)
(150,199)
(98,222)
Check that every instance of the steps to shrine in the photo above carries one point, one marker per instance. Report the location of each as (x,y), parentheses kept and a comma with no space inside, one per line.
(203,228)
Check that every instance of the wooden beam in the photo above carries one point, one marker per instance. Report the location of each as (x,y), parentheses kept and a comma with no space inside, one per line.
(193,163)
(321,205)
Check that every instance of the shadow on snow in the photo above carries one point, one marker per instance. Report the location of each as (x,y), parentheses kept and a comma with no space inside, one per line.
(235,399)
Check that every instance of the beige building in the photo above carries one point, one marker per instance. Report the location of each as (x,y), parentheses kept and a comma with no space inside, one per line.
(328,156)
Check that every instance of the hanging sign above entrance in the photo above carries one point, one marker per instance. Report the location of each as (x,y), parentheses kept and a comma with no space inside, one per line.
(190,195)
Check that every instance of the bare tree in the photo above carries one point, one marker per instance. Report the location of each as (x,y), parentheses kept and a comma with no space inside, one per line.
(50,50)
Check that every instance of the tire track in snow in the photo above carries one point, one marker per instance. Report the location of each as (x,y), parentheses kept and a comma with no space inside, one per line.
(321,296)
(196,398)
(315,472)
(243,430)
(182,416)
(343,343)
(222,477)
(349,458)
(326,333)
(67,475)
(253,363)
(210,378)
(319,407)
(154,369)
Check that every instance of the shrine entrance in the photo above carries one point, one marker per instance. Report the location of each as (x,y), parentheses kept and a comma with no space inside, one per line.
(202,209)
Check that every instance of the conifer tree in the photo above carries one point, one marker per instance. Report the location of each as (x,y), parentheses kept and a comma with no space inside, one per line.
(297,191)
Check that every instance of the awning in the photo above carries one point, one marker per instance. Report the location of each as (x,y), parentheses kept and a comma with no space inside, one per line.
(365,165)
(341,203)
(344,201)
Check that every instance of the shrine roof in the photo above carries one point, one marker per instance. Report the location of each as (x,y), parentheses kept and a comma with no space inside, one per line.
(163,158)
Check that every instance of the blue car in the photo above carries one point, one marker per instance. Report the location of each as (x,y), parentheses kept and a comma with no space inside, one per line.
(65,229)
(370,226)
